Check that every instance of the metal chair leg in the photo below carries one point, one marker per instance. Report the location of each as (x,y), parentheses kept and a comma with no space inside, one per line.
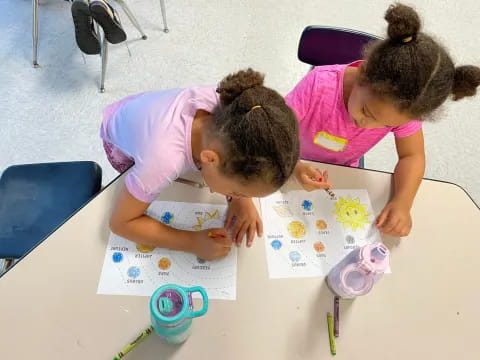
(131,17)
(164,16)
(35,32)
(104,55)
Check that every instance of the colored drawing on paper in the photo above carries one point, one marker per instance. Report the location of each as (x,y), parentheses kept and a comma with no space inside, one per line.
(117,257)
(133,272)
(203,222)
(164,263)
(276,244)
(138,270)
(349,239)
(296,229)
(321,224)
(144,248)
(295,256)
(319,231)
(319,246)
(307,205)
(167,218)
(283,210)
(351,213)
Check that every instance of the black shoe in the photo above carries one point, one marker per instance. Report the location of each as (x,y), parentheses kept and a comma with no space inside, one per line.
(87,38)
(107,18)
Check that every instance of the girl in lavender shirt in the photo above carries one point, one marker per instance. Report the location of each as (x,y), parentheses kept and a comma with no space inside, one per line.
(241,136)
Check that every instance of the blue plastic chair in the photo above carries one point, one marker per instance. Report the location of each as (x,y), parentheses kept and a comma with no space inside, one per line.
(324,45)
(37,198)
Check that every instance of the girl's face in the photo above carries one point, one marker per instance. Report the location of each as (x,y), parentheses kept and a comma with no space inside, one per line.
(368,111)
(228,185)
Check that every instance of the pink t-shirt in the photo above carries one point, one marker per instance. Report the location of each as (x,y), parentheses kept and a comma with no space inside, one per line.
(327,132)
(155,130)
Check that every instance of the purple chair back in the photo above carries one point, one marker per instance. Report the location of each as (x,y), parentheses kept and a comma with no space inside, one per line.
(323,45)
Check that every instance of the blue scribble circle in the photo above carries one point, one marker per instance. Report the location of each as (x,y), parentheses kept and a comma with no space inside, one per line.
(307,205)
(117,257)
(167,217)
(276,244)
(133,272)
(295,256)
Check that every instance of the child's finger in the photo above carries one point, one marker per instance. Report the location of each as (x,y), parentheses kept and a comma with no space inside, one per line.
(382,218)
(241,234)
(224,252)
(230,217)
(218,233)
(224,242)
(325,175)
(389,227)
(250,235)
(236,226)
(306,180)
(259,227)
(314,173)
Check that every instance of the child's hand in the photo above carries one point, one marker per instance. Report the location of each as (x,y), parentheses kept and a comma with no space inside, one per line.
(310,177)
(395,219)
(212,247)
(246,221)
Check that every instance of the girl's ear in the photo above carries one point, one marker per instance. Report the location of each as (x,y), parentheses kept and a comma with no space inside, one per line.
(209,157)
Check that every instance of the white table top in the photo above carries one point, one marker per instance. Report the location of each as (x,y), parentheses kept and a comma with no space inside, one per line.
(427,308)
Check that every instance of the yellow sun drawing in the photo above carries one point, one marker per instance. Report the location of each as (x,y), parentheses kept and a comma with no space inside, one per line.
(200,220)
(351,213)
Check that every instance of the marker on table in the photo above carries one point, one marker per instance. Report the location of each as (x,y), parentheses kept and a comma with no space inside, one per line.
(331,337)
(336,316)
(134,343)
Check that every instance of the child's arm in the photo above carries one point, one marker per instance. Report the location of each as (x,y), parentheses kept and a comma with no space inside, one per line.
(395,218)
(128,220)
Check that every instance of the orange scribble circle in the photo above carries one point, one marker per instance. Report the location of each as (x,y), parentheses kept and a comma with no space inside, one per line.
(164,263)
(319,246)
(321,224)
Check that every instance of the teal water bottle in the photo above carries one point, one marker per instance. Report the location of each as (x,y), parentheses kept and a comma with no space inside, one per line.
(171,311)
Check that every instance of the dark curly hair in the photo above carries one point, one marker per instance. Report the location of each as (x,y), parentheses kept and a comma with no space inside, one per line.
(259,132)
(411,69)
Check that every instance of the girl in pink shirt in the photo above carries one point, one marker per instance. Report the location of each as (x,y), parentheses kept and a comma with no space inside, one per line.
(344,110)
(241,136)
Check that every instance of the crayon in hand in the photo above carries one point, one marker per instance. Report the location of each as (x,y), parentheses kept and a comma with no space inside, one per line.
(213,235)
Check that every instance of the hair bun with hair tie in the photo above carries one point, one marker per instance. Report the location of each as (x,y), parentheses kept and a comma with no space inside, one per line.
(409,38)
(403,23)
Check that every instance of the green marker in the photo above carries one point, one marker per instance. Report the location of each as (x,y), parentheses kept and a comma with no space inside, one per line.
(331,336)
(134,343)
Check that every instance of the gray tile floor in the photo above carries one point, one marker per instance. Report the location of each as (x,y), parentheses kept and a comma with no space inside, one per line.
(53,113)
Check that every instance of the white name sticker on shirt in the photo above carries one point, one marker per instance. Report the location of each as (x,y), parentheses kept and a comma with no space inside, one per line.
(330,142)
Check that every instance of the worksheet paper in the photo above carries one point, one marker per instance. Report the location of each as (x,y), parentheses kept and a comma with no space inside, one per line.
(307,233)
(132,269)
